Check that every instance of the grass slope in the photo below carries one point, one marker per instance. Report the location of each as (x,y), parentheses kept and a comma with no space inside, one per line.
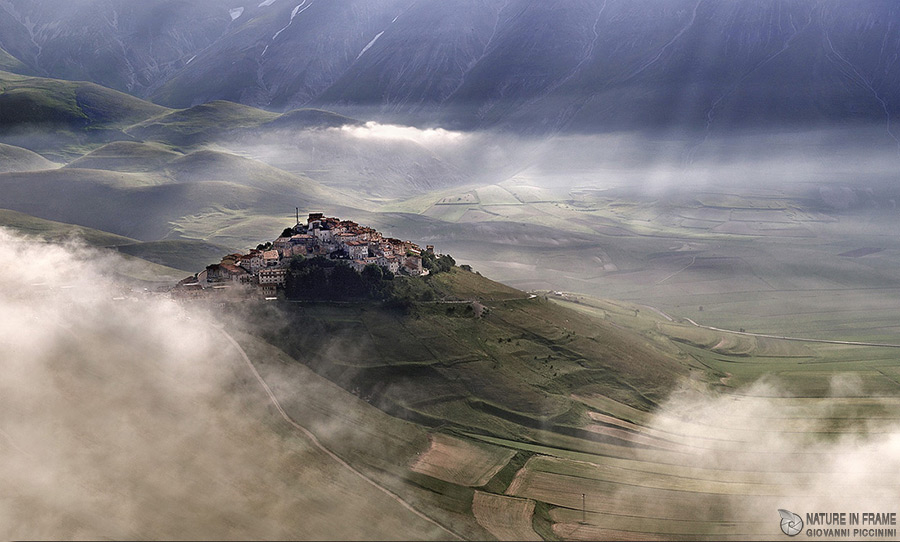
(201,123)
(14,158)
(567,387)
(11,64)
(128,156)
(59,231)
(130,204)
(31,101)
(210,165)
(512,370)
(182,254)
(151,270)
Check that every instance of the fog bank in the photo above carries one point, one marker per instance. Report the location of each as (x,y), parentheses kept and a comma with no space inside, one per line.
(124,415)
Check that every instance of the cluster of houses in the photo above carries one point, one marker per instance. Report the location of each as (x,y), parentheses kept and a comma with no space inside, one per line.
(267,267)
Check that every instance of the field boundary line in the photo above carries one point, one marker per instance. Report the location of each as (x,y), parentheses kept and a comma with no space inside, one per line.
(322,447)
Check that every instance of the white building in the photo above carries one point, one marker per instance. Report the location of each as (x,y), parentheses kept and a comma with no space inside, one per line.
(358,250)
(276,276)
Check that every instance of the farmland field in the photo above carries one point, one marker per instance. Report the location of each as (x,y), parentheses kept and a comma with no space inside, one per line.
(752,424)
(768,261)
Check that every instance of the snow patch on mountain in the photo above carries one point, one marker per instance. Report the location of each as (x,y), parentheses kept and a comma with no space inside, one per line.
(235,13)
(370,44)
(294,13)
(265,3)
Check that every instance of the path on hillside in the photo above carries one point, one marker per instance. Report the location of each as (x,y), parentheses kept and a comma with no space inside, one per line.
(764,335)
(800,339)
(320,446)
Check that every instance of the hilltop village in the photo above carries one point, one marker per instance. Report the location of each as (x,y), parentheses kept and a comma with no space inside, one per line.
(266,267)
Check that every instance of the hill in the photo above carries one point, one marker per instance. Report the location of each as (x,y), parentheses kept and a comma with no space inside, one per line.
(299,119)
(126,156)
(33,101)
(12,64)
(155,269)
(165,259)
(182,254)
(205,165)
(14,158)
(201,123)
(516,366)
(59,231)
(134,205)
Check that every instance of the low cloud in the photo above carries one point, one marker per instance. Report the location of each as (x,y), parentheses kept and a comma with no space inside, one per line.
(429,137)
(760,449)
(125,415)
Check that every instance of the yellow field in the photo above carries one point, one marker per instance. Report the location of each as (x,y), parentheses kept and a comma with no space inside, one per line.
(461,462)
(507,518)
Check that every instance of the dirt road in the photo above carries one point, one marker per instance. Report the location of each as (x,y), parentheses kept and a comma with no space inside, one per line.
(321,447)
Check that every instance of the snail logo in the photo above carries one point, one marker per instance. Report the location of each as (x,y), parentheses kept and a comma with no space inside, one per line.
(791,524)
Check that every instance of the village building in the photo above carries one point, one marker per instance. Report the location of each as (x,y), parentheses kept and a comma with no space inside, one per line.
(358,250)
(321,236)
(389,262)
(276,276)
(271,258)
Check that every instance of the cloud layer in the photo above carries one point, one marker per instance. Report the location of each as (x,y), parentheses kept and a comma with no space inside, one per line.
(125,415)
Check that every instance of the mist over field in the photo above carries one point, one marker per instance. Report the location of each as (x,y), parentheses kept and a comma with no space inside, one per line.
(804,456)
(127,415)
(402,161)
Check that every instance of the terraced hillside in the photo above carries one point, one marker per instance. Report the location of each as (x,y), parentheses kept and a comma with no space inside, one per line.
(599,420)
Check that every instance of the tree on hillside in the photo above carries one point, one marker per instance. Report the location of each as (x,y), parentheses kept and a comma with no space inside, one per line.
(437,264)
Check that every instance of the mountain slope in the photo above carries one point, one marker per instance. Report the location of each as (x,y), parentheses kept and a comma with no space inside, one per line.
(588,65)
(12,64)
(128,46)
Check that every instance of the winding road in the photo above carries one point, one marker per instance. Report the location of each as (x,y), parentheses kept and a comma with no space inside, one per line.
(320,446)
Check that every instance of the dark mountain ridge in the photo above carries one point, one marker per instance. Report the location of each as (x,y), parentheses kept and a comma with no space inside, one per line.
(587,65)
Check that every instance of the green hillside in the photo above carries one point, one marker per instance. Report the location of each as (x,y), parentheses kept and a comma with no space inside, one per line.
(135,205)
(166,165)
(201,123)
(540,408)
(166,259)
(129,156)
(185,255)
(11,64)
(209,165)
(514,367)
(35,101)
(58,231)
